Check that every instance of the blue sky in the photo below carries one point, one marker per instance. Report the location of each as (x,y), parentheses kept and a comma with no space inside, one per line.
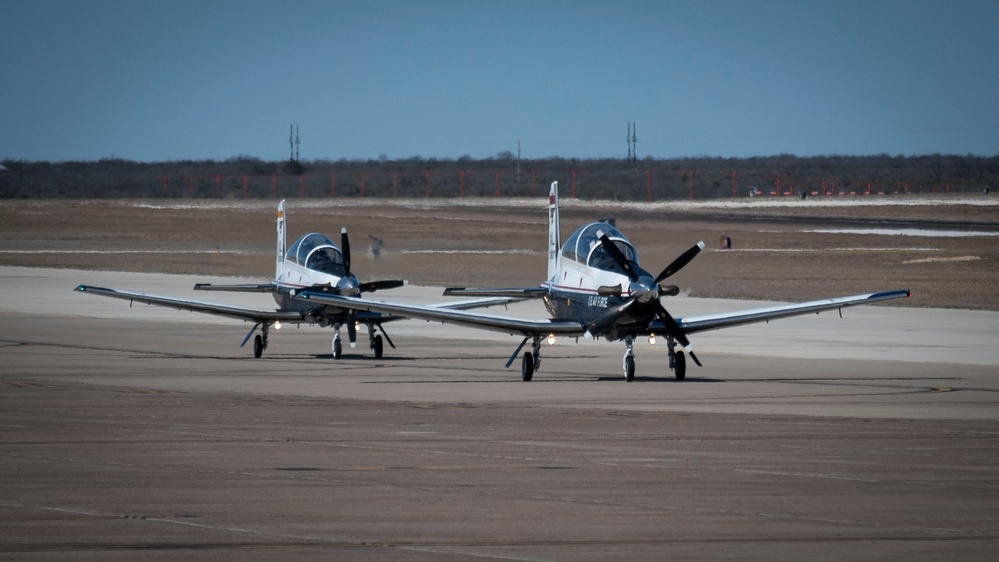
(213,79)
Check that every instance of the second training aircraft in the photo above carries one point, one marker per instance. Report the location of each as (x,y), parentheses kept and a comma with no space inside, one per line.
(313,262)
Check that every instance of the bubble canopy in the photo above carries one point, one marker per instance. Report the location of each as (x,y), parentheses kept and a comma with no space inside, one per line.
(584,247)
(316,252)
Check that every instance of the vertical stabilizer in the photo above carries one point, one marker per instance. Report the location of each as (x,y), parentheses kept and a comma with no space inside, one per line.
(554,233)
(282,242)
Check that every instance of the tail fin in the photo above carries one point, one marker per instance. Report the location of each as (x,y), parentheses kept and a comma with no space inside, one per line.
(282,241)
(554,232)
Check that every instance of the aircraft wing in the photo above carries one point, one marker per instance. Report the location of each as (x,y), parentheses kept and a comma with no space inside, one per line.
(239,313)
(247,288)
(694,324)
(511,292)
(504,324)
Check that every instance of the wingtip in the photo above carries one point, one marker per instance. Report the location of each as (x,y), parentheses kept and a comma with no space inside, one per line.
(700,244)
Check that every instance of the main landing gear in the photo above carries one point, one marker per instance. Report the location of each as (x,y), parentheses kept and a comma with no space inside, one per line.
(375,342)
(677,360)
(260,341)
(531,362)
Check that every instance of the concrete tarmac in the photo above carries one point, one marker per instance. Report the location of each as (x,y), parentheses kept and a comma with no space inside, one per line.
(143,431)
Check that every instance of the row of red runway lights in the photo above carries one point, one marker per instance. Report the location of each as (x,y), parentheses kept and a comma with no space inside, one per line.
(825,187)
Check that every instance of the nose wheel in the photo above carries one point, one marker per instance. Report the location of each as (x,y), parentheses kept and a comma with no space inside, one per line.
(337,345)
(628,363)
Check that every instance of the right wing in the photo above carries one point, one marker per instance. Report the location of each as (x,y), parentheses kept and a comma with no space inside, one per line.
(239,313)
(692,324)
(504,324)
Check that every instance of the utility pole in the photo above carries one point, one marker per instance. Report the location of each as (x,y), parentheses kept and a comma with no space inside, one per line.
(627,139)
(518,161)
(298,143)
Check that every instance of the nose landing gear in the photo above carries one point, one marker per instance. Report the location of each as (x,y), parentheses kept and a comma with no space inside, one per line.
(628,364)
(337,346)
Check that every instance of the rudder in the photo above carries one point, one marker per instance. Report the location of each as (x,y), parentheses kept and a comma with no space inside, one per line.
(554,232)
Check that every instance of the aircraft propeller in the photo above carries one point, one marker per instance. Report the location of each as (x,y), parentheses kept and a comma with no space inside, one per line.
(644,290)
(349,285)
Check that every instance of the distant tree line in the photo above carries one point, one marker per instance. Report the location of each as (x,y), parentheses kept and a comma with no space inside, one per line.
(504,176)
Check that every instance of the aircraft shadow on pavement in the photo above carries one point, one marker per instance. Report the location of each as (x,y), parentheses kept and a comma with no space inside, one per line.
(359,357)
(664,378)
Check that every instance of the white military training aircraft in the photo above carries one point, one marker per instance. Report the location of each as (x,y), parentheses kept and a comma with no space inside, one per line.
(596,288)
(313,262)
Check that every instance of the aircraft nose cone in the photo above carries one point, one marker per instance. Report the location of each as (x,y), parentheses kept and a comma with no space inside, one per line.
(644,289)
(348,286)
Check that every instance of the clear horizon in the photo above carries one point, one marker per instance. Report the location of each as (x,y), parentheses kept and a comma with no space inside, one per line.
(221,79)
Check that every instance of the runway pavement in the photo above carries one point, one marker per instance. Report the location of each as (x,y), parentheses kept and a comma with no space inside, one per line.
(143,431)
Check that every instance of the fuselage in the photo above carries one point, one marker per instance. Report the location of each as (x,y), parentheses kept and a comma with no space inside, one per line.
(313,261)
(585,278)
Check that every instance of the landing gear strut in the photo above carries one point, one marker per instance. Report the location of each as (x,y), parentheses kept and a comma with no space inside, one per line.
(531,362)
(677,360)
(337,346)
(629,359)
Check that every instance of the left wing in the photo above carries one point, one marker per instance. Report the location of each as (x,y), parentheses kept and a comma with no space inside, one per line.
(258,315)
(706,322)
(450,315)
(237,312)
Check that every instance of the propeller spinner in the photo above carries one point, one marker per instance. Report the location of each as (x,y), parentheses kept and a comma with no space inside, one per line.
(643,290)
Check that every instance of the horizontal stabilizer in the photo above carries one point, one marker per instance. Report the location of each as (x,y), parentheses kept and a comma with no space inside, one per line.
(248,288)
(511,292)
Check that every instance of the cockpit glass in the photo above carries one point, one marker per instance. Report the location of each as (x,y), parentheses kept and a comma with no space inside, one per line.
(326,259)
(318,252)
(584,246)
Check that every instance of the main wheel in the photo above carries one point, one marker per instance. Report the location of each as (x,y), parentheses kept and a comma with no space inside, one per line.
(337,348)
(258,346)
(680,369)
(629,368)
(378,346)
(527,367)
